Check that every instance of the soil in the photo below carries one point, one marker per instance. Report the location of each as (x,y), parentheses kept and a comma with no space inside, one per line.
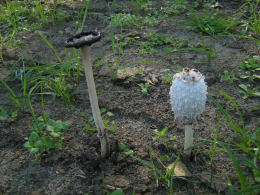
(77,169)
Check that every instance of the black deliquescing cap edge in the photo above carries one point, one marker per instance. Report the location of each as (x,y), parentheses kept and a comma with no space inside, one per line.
(78,40)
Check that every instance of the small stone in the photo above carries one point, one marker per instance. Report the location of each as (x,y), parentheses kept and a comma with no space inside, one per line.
(10,52)
(180,169)
(118,181)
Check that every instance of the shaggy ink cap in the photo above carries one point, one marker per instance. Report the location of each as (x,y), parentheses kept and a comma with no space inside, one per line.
(83,39)
(188,95)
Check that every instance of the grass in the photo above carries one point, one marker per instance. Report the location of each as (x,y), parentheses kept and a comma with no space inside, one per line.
(248,143)
(130,20)
(167,10)
(212,23)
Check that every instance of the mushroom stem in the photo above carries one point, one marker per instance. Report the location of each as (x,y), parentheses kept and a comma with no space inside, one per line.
(94,101)
(188,139)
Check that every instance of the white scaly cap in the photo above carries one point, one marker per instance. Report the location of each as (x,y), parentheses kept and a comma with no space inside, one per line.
(188,95)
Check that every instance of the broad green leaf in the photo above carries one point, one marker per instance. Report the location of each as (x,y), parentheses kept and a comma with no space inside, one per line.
(54,134)
(162,132)
(129,152)
(33,150)
(244,87)
(102,110)
(110,114)
(50,128)
(59,125)
(27,144)
(14,114)
(118,192)
(38,144)
(66,125)
(257,94)
(122,147)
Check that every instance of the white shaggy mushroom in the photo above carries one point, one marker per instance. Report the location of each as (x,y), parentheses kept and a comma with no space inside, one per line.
(188,96)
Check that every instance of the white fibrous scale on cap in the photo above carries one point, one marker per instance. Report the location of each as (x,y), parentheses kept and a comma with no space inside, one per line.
(188,95)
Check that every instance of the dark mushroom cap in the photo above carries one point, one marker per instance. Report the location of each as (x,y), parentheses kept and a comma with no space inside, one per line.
(83,39)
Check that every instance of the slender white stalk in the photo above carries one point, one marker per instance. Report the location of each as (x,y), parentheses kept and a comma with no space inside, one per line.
(94,101)
(188,139)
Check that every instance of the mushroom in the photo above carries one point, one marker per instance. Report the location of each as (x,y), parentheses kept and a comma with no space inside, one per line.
(84,40)
(188,96)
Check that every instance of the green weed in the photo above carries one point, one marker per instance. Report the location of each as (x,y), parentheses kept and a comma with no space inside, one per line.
(246,93)
(13,97)
(211,23)
(251,64)
(167,78)
(154,41)
(230,77)
(111,126)
(29,15)
(46,134)
(116,46)
(85,15)
(252,20)
(144,87)
(161,137)
(209,51)
(6,116)
(247,142)
(139,5)
(251,76)
(129,20)
(167,9)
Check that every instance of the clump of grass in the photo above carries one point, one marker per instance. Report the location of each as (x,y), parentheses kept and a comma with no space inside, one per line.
(29,15)
(153,41)
(211,23)
(144,87)
(247,144)
(166,10)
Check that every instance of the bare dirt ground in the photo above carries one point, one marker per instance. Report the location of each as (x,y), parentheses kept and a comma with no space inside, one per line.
(76,169)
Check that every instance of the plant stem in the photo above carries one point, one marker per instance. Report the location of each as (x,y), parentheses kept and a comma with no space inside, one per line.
(94,101)
(188,139)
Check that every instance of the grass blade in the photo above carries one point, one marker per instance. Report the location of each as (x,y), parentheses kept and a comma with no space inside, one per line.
(52,48)
(236,164)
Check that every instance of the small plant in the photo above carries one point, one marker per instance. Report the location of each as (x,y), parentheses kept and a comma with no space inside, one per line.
(130,20)
(154,41)
(173,8)
(211,23)
(110,125)
(210,51)
(46,134)
(144,87)
(244,152)
(167,78)
(251,63)
(5,116)
(228,77)
(161,136)
(125,151)
(249,75)
(246,93)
